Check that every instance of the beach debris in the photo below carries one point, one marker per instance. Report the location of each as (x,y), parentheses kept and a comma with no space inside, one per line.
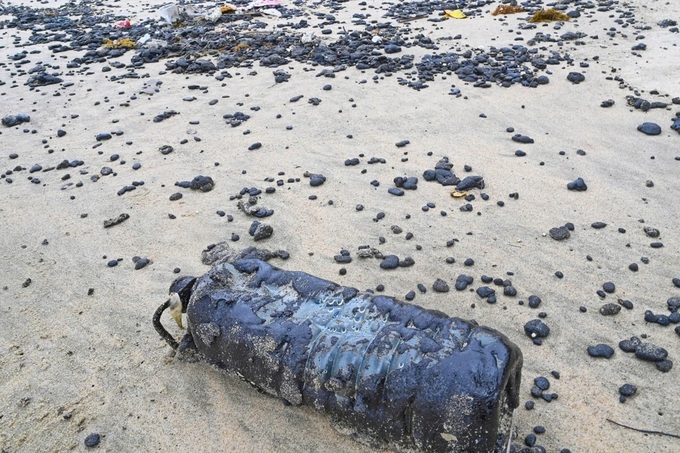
(123,24)
(222,252)
(249,208)
(507,9)
(169,13)
(644,431)
(260,3)
(116,220)
(270,12)
(241,45)
(125,43)
(308,37)
(284,336)
(548,15)
(454,14)
(260,231)
(232,47)
(366,251)
(470,182)
(213,14)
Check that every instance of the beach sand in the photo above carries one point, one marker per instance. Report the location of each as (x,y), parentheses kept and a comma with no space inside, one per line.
(74,363)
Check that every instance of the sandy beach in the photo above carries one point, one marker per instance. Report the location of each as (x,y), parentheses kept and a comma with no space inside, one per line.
(78,352)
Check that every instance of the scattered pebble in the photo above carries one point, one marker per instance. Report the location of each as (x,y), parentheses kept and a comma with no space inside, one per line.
(15,120)
(440,286)
(650,352)
(576,77)
(559,233)
(601,350)
(463,281)
(536,329)
(92,440)
(578,185)
(534,301)
(140,263)
(649,128)
(260,231)
(651,232)
(610,309)
(316,180)
(390,262)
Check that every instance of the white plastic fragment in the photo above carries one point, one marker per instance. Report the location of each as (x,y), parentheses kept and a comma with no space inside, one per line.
(169,13)
(308,37)
(214,14)
(143,40)
(271,12)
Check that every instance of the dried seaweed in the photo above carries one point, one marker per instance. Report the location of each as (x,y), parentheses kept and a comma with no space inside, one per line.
(507,9)
(548,15)
(125,43)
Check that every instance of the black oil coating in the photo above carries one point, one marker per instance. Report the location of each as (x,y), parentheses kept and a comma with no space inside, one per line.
(396,372)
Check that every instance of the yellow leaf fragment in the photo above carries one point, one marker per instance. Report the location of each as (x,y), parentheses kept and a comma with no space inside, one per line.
(454,14)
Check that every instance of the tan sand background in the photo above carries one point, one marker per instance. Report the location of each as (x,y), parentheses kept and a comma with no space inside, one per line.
(98,358)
